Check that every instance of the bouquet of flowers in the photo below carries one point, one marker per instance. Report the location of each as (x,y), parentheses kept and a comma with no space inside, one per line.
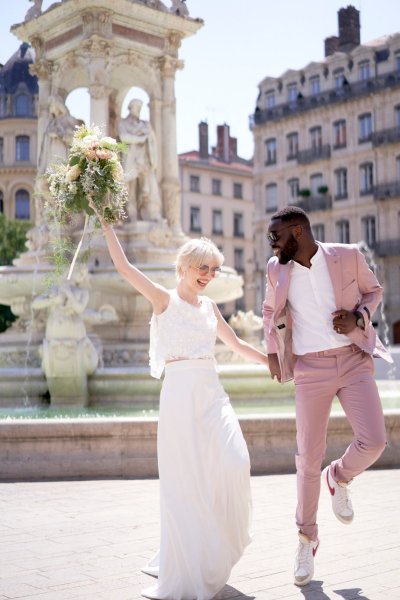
(92,179)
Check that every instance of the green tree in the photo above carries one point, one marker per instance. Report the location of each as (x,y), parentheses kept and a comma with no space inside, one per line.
(12,243)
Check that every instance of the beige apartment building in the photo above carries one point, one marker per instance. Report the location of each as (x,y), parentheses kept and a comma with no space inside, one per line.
(18,135)
(217,202)
(327,138)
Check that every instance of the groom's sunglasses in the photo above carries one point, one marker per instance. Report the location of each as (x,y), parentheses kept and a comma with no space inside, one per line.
(273,236)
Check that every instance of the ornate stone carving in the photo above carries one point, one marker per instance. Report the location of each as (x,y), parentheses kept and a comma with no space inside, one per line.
(34,11)
(171,201)
(178,7)
(168,65)
(140,165)
(97,22)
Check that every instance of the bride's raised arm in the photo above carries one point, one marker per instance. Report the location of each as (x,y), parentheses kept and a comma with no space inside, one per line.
(156,294)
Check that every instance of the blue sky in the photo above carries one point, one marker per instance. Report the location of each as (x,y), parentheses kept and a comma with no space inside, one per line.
(241,42)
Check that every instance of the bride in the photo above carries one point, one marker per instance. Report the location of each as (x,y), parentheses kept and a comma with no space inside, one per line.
(203,460)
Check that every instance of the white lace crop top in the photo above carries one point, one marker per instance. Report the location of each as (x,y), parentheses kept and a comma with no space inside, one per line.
(182,331)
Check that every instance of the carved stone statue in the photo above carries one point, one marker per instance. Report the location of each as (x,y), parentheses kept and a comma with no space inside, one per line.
(179,8)
(140,165)
(35,10)
(58,134)
(68,354)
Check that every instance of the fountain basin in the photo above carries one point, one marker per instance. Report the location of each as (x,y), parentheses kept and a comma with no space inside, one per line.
(127,447)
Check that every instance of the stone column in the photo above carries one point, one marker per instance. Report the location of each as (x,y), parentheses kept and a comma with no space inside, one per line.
(170,186)
(99,106)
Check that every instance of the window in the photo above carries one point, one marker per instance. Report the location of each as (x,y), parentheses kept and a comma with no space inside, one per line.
(316,181)
(363,70)
(366,178)
(339,134)
(397,116)
(369,230)
(217,222)
(270,99)
(238,230)
(239,259)
(315,87)
(397,62)
(364,127)
(216,187)
(2,106)
(1,202)
(398,168)
(319,231)
(238,190)
(343,231)
(195,222)
(194,183)
(316,138)
(22,106)
(341,184)
(22,210)
(271,197)
(22,147)
(292,92)
(293,189)
(292,145)
(270,151)
(1,150)
(339,79)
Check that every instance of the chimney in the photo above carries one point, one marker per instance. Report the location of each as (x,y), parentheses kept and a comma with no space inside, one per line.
(223,142)
(349,32)
(331,45)
(232,148)
(203,139)
(349,28)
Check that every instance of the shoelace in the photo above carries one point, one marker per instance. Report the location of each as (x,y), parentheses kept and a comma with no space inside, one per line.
(303,553)
(343,498)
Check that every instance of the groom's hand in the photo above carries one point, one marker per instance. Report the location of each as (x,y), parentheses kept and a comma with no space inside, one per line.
(344,321)
(274,367)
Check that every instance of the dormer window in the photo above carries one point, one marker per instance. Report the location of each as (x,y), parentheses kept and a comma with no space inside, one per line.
(338,76)
(292,92)
(270,99)
(363,70)
(22,106)
(315,87)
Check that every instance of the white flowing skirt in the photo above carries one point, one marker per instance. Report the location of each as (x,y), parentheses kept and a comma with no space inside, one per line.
(204,470)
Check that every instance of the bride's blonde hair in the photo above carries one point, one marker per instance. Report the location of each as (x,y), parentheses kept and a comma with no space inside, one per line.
(197,252)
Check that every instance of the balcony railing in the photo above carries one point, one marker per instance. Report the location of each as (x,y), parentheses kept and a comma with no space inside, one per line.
(311,203)
(384,191)
(333,96)
(310,155)
(387,248)
(386,136)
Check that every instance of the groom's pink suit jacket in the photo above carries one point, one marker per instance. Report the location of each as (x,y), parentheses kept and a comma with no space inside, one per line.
(355,287)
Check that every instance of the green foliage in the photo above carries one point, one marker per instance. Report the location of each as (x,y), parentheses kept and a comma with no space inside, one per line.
(12,243)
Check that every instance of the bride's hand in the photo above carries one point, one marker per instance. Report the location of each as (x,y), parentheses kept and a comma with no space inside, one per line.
(100,217)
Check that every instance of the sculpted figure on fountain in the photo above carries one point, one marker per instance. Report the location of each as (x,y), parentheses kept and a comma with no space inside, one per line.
(140,164)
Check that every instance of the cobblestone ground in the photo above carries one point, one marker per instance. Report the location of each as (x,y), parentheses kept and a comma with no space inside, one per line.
(70,540)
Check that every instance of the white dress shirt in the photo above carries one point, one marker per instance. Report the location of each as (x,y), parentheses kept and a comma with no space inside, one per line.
(311,302)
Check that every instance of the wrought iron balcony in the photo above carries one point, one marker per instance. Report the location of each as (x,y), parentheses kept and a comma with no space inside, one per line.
(304,157)
(386,136)
(385,191)
(311,203)
(333,96)
(387,248)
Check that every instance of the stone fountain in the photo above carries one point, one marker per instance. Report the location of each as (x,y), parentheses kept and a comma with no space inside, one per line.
(72,340)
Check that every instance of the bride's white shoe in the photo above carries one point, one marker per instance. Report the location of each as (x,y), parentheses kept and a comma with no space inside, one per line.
(152,571)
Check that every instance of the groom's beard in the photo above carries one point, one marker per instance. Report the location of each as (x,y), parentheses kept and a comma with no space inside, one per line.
(289,250)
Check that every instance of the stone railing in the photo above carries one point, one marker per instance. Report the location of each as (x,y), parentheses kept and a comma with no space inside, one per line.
(311,203)
(310,155)
(387,248)
(333,96)
(386,136)
(384,191)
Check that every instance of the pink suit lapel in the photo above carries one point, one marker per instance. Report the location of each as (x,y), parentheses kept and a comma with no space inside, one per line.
(334,264)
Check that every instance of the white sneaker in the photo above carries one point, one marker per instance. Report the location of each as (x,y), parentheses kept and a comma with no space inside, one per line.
(341,503)
(304,561)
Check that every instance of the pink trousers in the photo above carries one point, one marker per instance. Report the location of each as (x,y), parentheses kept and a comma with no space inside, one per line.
(347,373)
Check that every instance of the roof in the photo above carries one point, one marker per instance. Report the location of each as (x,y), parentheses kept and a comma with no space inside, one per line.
(237,164)
(16,70)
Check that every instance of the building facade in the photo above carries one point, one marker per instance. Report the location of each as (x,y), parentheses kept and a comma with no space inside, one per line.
(327,139)
(217,202)
(18,135)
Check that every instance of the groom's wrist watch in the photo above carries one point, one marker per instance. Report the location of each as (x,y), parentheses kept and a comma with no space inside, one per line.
(359,319)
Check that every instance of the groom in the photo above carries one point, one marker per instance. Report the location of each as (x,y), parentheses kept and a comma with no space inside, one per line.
(320,299)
